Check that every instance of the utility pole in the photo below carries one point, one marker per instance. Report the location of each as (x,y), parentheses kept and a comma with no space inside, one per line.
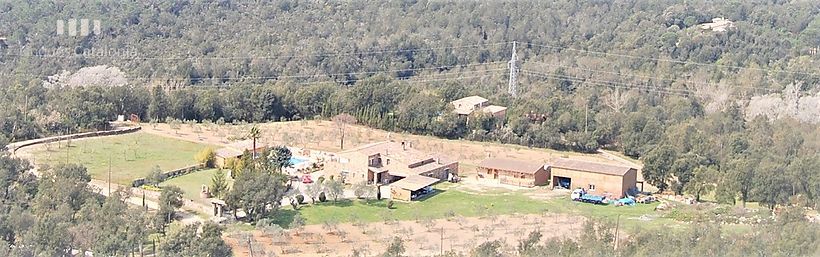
(511,87)
(67,148)
(250,246)
(617,225)
(586,116)
(441,243)
(109,173)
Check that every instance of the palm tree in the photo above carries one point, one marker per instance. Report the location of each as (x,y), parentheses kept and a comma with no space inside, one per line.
(254,134)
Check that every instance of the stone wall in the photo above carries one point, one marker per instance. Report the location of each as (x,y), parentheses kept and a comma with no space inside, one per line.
(14,146)
(172,174)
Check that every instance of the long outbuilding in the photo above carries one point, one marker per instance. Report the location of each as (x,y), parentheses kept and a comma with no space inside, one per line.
(514,172)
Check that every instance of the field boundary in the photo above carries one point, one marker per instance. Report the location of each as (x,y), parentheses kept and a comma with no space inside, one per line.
(13,147)
(172,173)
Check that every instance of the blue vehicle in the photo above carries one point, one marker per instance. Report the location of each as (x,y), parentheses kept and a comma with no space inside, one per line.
(582,196)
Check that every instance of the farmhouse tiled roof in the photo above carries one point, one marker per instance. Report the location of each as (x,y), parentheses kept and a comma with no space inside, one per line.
(511,165)
(594,167)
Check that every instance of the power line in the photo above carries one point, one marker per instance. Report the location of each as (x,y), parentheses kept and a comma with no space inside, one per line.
(302,76)
(316,75)
(650,77)
(413,79)
(674,61)
(372,52)
(611,84)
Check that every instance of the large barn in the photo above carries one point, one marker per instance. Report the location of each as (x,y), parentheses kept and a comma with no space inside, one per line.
(514,172)
(596,178)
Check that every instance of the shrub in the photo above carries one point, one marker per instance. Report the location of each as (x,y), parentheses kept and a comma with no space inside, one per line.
(362,190)
(322,197)
(155,177)
(300,199)
(294,204)
(206,156)
(151,188)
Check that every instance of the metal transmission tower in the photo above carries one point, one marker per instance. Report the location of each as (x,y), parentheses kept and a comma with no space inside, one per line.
(511,88)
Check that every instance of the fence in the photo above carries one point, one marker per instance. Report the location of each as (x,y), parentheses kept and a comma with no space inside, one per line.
(171,174)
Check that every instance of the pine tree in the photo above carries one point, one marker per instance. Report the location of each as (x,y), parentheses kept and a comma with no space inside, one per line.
(219,184)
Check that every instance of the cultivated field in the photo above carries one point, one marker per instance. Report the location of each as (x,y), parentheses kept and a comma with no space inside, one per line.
(421,238)
(131,155)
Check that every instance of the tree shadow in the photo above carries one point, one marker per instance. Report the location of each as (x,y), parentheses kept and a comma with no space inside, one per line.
(339,203)
(284,217)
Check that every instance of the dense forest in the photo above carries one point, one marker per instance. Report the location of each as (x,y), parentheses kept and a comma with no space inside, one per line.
(299,62)
(638,77)
(236,42)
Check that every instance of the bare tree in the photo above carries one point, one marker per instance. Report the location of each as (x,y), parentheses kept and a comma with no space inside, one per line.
(342,121)
(716,96)
(617,99)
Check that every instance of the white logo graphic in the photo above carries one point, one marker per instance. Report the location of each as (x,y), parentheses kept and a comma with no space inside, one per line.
(72,27)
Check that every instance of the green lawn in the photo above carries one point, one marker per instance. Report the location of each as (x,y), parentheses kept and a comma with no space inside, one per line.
(132,155)
(436,206)
(192,183)
(450,200)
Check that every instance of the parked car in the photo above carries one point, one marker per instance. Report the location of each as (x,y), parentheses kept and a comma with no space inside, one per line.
(306,179)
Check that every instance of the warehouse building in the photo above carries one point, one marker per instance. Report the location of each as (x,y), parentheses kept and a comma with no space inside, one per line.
(596,178)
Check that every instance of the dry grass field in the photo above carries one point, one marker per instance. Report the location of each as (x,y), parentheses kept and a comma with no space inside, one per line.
(424,237)
(324,136)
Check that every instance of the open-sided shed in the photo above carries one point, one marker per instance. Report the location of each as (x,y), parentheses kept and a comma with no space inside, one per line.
(411,187)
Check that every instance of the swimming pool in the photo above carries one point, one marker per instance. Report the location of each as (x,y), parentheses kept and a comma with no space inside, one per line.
(296,160)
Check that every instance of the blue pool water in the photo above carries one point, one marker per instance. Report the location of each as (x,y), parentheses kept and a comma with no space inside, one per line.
(296,160)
